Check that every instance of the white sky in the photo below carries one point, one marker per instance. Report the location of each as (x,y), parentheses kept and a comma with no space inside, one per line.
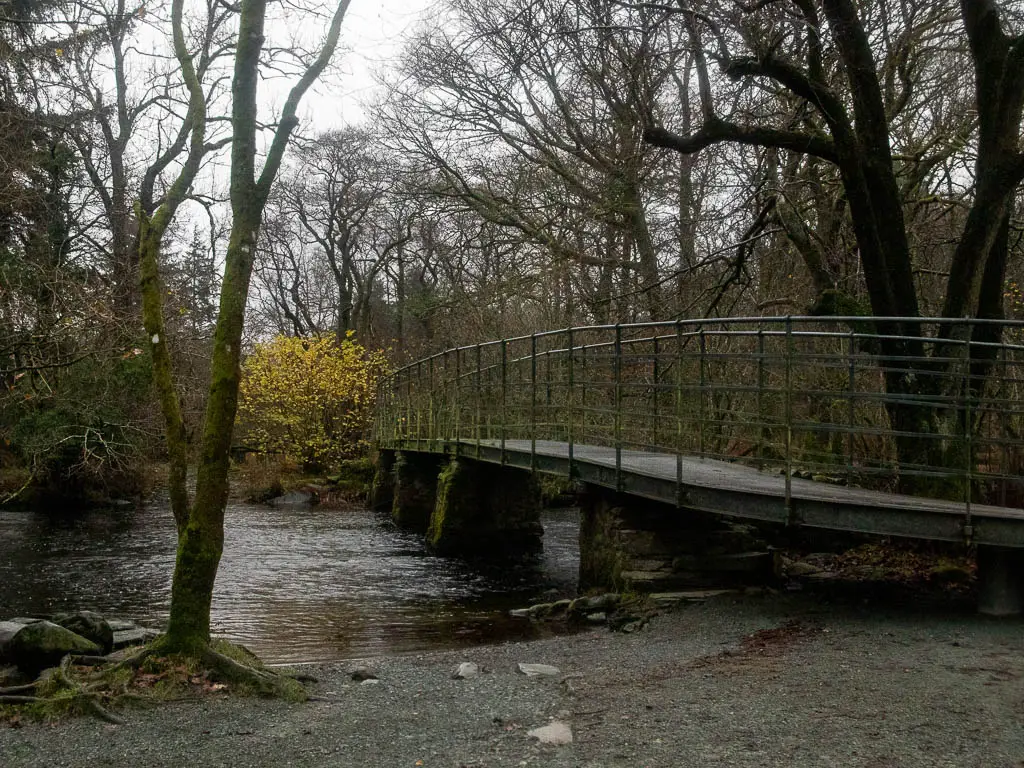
(371,38)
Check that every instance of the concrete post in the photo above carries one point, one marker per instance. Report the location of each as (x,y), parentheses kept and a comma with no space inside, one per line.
(485,510)
(1000,581)
(415,488)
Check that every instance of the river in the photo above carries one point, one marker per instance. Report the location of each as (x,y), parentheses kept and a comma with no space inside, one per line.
(296,584)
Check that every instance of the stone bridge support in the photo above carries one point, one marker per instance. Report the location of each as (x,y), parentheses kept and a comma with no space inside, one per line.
(1000,581)
(382,492)
(464,507)
(629,543)
(414,488)
(485,509)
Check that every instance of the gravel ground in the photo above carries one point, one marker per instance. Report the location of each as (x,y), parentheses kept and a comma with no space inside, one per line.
(772,680)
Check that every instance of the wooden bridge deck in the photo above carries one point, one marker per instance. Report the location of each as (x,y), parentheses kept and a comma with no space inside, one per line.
(743,492)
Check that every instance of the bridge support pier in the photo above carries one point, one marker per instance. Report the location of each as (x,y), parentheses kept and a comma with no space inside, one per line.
(1000,581)
(485,509)
(628,543)
(414,488)
(382,492)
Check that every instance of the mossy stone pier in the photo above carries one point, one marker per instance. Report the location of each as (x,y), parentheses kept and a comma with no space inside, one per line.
(464,507)
(414,488)
(484,509)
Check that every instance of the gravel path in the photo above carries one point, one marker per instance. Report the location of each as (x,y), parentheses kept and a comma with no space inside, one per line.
(775,680)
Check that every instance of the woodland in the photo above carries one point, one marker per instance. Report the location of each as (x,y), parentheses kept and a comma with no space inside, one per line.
(525,165)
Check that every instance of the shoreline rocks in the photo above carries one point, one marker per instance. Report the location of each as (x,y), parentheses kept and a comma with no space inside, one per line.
(31,644)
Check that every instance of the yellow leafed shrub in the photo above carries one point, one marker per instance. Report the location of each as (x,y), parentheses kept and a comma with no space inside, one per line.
(310,399)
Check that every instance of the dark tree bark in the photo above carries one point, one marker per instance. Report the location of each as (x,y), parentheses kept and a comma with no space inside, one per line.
(857,142)
(201,523)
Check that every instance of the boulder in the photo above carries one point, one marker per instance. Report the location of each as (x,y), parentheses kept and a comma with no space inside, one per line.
(42,644)
(89,625)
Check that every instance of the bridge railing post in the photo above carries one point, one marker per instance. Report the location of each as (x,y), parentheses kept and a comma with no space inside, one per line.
(679,413)
(656,374)
(617,369)
(851,398)
(702,394)
(504,396)
(533,402)
(478,426)
(788,355)
(968,434)
(762,418)
(571,396)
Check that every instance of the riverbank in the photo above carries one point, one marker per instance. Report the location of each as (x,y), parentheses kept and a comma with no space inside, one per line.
(764,680)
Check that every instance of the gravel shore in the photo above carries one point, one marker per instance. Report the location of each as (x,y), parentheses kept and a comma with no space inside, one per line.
(768,680)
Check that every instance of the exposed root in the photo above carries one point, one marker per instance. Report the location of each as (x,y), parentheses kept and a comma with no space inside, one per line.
(133,662)
(262,681)
(19,688)
(90,684)
(301,677)
(102,713)
(19,699)
(90,661)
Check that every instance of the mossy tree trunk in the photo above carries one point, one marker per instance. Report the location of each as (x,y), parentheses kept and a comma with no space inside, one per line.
(201,522)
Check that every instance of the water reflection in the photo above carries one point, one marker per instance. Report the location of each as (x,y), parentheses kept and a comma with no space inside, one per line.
(295,584)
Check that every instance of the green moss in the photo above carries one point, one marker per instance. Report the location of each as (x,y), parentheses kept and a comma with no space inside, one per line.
(556,490)
(449,506)
(601,556)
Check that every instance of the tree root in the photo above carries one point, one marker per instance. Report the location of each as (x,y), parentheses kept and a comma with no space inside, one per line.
(86,693)
(262,681)
(301,677)
(89,690)
(131,662)
(19,688)
(90,661)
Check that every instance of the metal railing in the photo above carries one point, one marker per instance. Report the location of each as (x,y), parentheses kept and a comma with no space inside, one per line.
(926,406)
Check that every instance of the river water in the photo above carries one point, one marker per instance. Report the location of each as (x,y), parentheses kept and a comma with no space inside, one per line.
(295,584)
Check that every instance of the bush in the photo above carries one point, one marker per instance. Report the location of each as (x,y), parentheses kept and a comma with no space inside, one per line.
(310,399)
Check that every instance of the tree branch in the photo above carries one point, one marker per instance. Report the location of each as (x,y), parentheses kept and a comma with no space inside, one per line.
(718,131)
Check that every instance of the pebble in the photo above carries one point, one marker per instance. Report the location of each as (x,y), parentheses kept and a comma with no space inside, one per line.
(466,670)
(362,672)
(555,733)
(538,670)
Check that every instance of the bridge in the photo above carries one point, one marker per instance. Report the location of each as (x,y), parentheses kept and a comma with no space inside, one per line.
(905,427)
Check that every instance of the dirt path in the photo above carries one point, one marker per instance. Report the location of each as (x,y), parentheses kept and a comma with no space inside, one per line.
(776,680)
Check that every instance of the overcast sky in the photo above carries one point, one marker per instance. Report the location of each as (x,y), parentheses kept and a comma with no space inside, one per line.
(371,36)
